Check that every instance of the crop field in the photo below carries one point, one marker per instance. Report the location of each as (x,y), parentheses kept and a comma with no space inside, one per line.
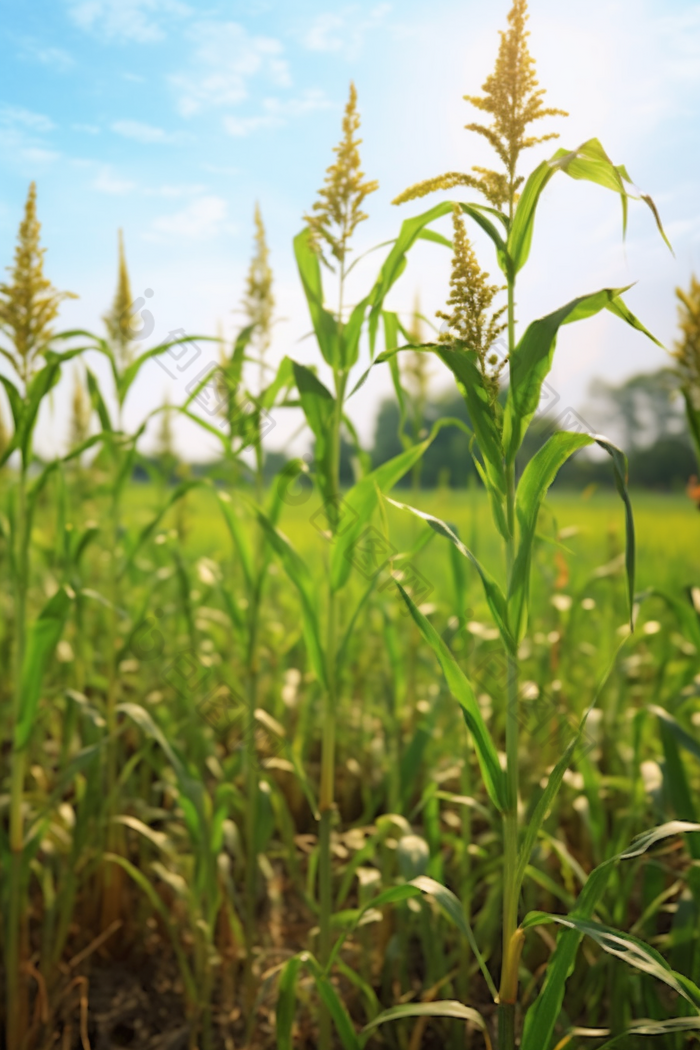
(319,756)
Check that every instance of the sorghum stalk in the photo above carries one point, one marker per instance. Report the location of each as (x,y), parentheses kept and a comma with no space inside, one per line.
(28,306)
(332,221)
(17,992)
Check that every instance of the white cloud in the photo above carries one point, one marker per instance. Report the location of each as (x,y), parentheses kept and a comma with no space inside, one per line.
(16,116)
(20,137)
(55,57)
(201,220)
(175,191)
(140,21)
(277,112)
(108,182)
(144,133)
(225,58)
(39,155)
(343,31)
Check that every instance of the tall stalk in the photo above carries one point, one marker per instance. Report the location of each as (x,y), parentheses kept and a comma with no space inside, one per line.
(29,304)
(17,991)
(327,789)
(331,224)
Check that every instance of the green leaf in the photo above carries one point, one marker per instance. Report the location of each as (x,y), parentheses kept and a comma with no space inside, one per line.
(177,494)
(676,779)
(537,477)
(395,262)
(98,402)
(42,638)
(454,910)
(286,1003)
(531,362)
(319,408)
(554,780)
(39,386)
(287,999)
(441,1008)
(462,691)
(542,1015)
(619,462)
(143,720)
(623,946)
(165,914)
(494,595)
(350,333)
(464,366)
(130,373)
(650,1027)
(296,570)
(589,162)
(17,409)
(324,323)
(414,229)
(360,501)
(239,537)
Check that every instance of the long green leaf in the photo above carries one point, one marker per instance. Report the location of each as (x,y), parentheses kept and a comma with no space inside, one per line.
(324,323)
(441,1008)
(177,494)
(650,1027)
(494,595)
(537,477)
(165,915)
(462,691)
(126,379)
(542,1015)
(531,362)
(623,946)
(239,537)
(298,573)
(589,162)
(42,638)
(286,1003)
(463,363)
(360,501)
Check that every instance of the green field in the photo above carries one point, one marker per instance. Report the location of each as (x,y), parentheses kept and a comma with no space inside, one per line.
(357,765)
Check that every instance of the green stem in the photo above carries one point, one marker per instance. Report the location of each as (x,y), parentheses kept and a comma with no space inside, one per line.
(252,799)
(511,953)
(327,790)
(17,995)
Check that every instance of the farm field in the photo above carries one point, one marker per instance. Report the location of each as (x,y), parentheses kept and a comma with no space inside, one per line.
(408,798)
(302,749)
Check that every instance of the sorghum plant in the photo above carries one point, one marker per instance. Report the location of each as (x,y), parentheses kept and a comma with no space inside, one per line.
(468,348)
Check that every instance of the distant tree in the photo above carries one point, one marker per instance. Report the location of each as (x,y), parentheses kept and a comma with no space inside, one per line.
(644,407)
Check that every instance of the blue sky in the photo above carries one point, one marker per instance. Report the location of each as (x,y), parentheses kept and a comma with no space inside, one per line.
(170,119)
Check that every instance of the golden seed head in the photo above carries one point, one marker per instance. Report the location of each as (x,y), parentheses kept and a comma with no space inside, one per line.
(258,301)
(338,211)
(512,97)
(29,304)
(471,320)
(118,320)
